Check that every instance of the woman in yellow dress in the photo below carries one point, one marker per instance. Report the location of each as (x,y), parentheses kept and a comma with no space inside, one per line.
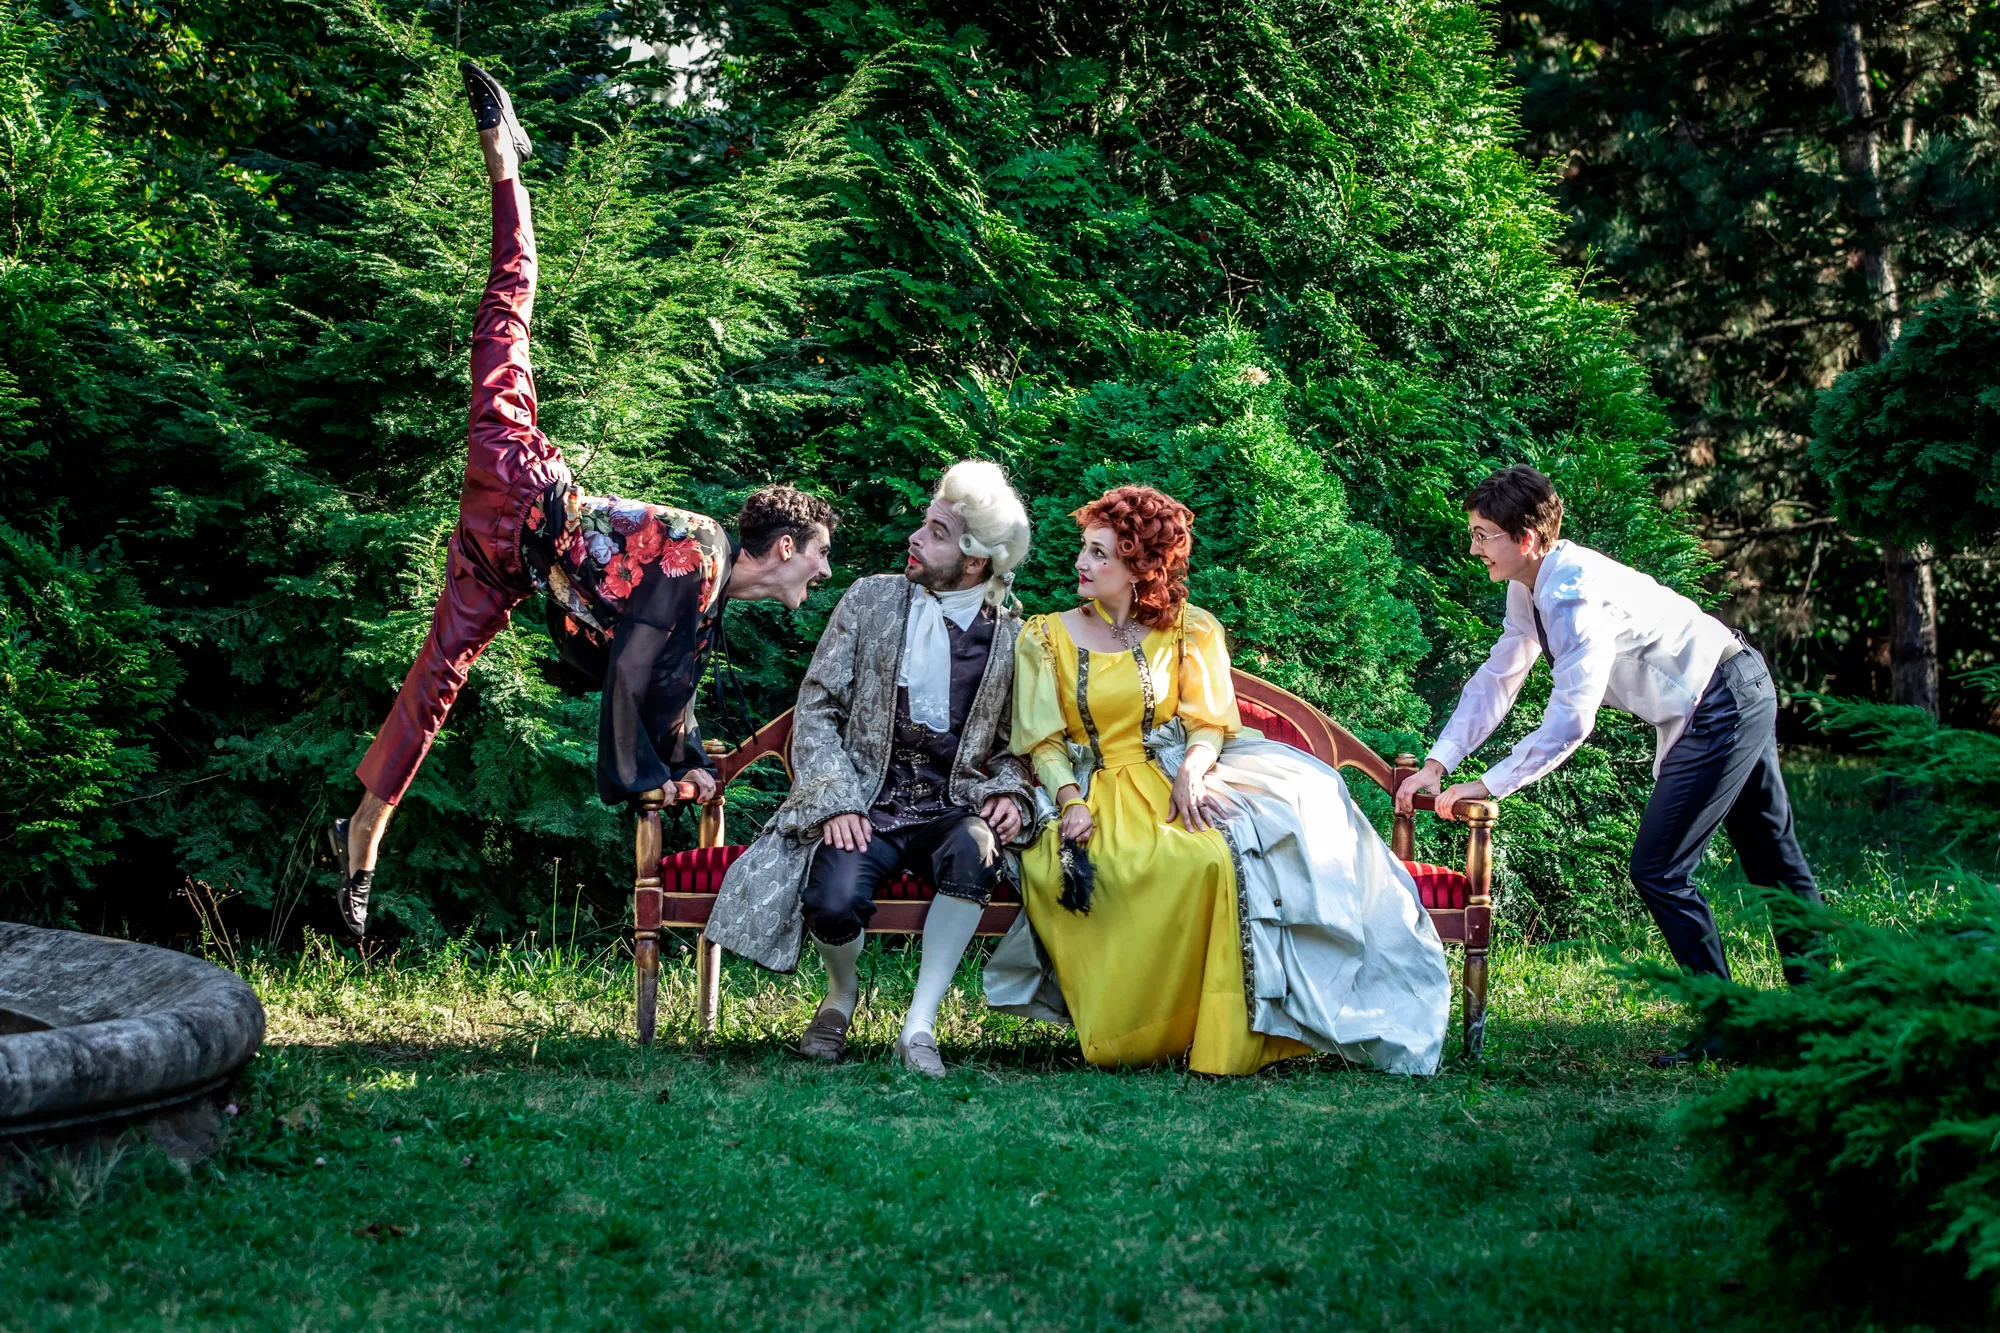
(1153,970)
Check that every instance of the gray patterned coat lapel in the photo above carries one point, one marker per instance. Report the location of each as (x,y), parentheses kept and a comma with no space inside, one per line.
(842,733)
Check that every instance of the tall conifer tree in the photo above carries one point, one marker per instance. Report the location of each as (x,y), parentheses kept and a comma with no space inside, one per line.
(1770,183)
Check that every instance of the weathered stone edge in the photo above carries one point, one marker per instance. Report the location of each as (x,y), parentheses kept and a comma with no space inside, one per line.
(211,1024)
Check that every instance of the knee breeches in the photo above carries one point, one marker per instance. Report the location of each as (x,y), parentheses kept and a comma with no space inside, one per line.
(958,854)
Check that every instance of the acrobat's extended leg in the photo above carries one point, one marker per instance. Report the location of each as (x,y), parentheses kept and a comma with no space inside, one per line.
(509,465)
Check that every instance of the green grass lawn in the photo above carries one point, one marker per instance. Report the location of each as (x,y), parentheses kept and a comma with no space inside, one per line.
(472,1140)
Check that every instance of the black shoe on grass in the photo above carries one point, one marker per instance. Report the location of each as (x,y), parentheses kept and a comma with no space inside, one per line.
(1691,1054)
(350,900)
(491,106)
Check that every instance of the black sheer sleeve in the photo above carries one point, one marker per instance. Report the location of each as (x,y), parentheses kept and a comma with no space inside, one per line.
(646,732)
(693,754)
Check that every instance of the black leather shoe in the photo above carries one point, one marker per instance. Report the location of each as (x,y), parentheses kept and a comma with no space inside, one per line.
(1691,1054)
(491,106)
(350,900)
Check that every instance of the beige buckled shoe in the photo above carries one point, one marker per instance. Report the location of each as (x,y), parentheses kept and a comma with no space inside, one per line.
(920,1053)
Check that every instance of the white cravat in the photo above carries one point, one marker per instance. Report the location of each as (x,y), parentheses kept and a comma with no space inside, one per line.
(926,669)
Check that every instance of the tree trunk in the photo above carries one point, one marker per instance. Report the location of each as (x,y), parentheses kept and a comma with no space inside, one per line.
(1913,655)
(1861,163)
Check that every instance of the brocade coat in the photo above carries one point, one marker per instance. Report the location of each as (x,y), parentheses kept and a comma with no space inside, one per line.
(843,729)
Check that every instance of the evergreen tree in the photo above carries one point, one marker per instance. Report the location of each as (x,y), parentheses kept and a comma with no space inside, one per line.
(83,669)
(1287,231)
(1770,183)
(1910,445)
(1282,262)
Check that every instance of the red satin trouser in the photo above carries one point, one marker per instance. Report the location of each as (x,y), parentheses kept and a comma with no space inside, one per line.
(509,463)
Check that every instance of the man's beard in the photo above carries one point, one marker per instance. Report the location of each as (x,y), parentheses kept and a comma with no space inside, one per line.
(938,578)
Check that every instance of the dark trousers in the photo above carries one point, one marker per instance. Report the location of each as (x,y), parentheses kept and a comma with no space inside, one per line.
(508,464)
(958,854)
(1722,771)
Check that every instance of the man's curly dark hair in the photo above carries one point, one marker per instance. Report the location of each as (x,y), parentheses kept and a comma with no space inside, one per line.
(776,510)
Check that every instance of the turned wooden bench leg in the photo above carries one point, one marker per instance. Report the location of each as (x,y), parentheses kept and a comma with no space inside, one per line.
(707,984)
(708,955)
(1403,828)
(1479,817)
(647,905)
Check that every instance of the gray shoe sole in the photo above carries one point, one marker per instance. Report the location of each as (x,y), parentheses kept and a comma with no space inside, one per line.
(523,147)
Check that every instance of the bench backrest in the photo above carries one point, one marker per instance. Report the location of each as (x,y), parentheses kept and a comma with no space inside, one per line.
(1279,714)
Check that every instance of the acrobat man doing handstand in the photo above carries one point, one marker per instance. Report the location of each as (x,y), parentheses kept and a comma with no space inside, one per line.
(635,591)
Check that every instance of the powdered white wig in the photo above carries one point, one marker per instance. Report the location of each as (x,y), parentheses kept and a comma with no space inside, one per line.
(996,523)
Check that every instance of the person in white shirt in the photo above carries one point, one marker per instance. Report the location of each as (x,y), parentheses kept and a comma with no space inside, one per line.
(1615,636)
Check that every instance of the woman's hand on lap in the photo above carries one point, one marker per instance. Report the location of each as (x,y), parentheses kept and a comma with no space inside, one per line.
(1193,804)
(1076,825)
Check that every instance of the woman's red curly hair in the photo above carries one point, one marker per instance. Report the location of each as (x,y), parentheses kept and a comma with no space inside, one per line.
(1155,535)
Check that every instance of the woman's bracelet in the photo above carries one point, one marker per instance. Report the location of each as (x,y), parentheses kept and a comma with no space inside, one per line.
(1076,800)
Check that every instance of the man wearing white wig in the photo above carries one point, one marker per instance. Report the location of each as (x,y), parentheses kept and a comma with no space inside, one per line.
(900,761)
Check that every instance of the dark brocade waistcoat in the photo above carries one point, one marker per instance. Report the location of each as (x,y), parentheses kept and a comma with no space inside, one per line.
(915,790)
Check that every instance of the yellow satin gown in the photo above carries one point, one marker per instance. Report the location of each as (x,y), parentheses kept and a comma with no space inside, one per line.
(1155,969)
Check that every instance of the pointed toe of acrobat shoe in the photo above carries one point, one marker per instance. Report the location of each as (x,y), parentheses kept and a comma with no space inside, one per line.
(491,107)
(350,900)
(350,909)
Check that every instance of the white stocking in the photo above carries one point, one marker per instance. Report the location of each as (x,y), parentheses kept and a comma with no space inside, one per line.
(843,980)
(948,928)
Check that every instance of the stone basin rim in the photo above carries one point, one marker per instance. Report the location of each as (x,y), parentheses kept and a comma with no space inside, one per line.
(149,1028)
(25,1129)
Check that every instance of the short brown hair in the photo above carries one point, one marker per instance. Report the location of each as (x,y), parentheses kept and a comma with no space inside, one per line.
(1155,535)
(1520,500)
(777,510)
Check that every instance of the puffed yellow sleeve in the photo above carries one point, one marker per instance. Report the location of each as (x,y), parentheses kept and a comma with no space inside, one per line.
(1208,698)
(1039,729)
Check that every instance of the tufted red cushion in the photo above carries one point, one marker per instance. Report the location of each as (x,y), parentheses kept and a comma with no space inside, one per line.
(701,871)
(1275,726)
(1440,887)
(697,871)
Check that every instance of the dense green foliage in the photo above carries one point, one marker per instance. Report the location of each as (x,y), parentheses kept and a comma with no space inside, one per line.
(1910,445)
(1282,262)
(82,674)
(1864,1125)
(1699,149)
(1955,770)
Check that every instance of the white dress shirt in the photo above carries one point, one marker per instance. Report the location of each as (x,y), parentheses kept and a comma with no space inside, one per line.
(1615,636)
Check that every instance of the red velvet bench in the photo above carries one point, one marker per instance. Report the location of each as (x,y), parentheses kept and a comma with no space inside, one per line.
(679,890)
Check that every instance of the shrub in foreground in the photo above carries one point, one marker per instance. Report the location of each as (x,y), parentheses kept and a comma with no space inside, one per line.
(1863,1126)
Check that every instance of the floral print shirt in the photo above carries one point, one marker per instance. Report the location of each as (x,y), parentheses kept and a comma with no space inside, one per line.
(635,593)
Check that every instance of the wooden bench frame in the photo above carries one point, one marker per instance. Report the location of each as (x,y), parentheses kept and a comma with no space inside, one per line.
(654,909)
